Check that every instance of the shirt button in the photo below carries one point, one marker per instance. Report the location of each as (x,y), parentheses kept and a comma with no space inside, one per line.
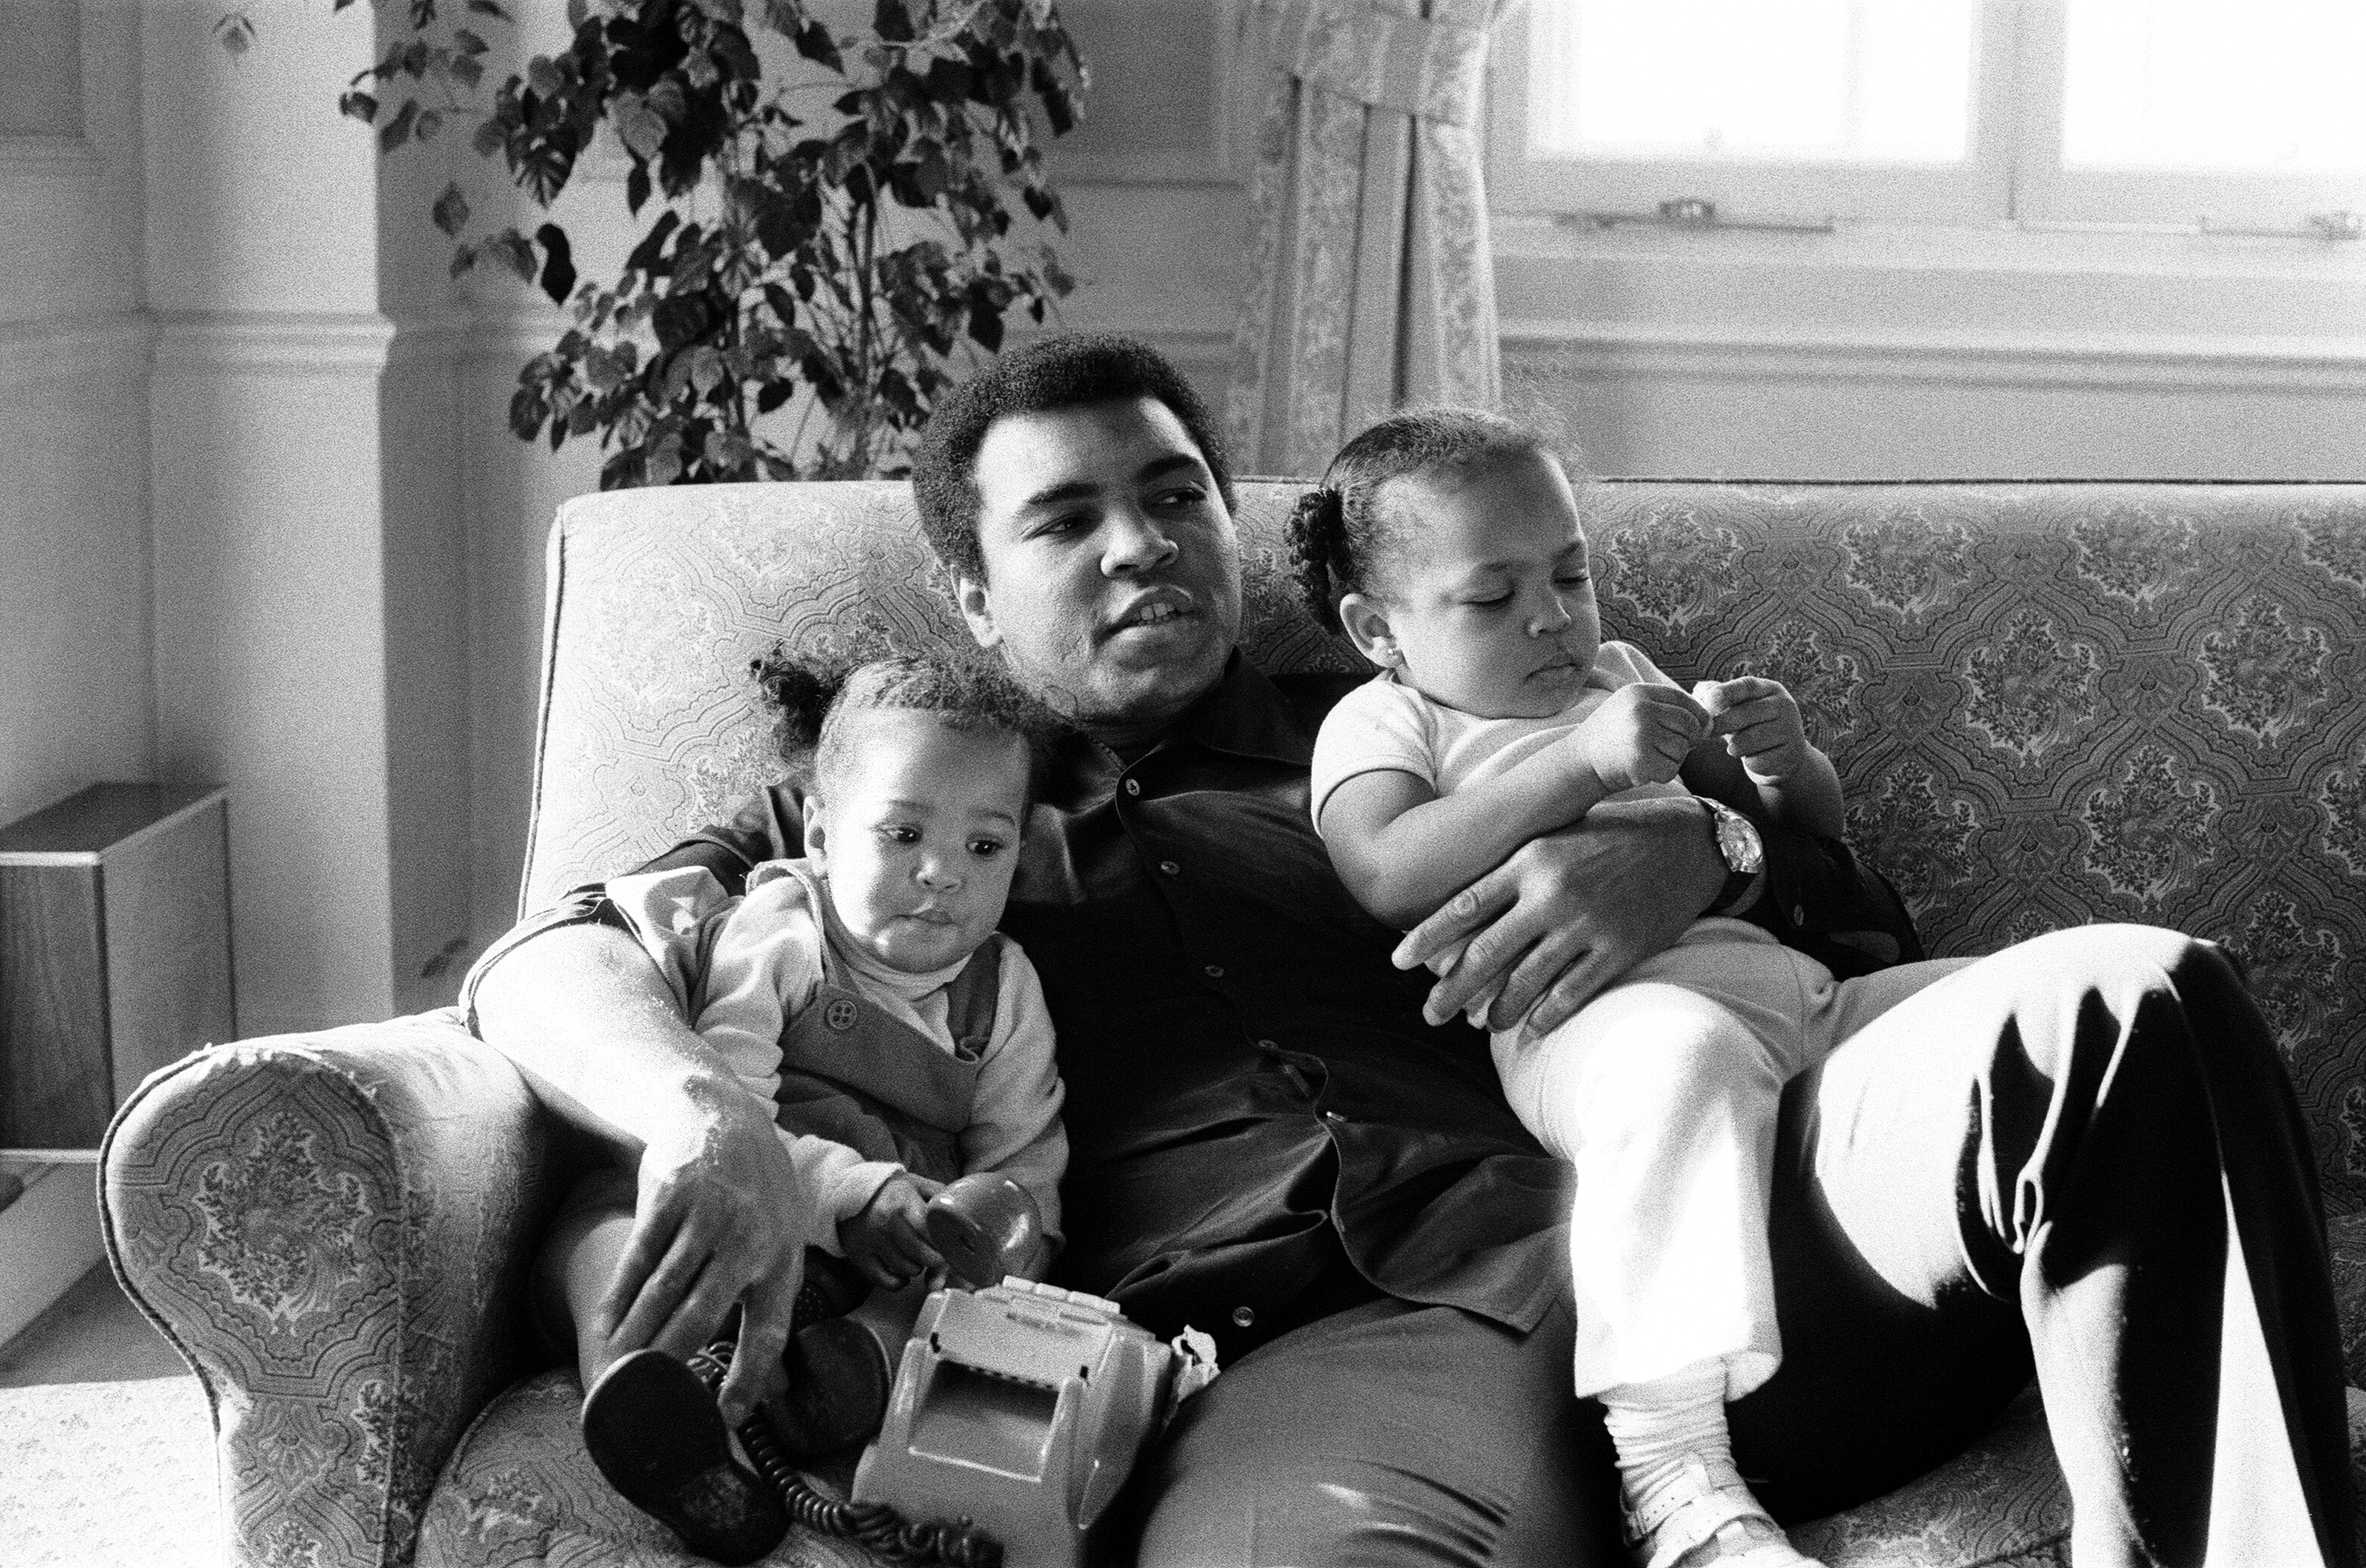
(1171,868)
(1133,786)
(1214,971)
(1243,1316)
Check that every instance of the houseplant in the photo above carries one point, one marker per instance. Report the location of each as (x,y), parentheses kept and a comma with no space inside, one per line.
(827,248)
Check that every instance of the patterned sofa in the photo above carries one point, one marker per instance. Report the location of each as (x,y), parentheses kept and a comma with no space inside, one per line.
(2051,702)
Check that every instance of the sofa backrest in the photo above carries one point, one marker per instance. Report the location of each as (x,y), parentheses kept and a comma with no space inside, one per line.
(2050,703)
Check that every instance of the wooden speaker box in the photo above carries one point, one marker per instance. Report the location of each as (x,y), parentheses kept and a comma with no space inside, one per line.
(114,955)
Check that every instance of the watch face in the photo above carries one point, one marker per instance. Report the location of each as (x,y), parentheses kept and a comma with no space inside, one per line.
(1738,841)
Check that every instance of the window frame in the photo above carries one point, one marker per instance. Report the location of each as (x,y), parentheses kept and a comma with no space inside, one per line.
(2013,177)
(2047,192)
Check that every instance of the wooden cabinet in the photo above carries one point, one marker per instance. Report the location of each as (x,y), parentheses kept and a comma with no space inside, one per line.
(114,955)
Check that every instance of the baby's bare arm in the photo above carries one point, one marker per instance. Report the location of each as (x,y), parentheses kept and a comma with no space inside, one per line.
(1766,761)
(1403,849)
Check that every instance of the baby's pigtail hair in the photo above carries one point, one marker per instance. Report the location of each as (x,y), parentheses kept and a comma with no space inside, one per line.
(1318,548)
(799,690)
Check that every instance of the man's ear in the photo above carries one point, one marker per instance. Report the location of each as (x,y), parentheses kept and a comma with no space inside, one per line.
(976,601)
(1366,621)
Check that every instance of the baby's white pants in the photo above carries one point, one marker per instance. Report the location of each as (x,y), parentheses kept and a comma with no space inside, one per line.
(1662,1092)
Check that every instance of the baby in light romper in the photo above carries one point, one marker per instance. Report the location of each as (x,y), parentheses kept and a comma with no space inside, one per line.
(863,992)
(1447,545)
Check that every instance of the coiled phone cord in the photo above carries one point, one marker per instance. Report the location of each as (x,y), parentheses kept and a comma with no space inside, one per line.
(875,1526)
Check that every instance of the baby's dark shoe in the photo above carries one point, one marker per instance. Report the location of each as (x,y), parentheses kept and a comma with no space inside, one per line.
(984,1226)
(653,1428)
(840,1378)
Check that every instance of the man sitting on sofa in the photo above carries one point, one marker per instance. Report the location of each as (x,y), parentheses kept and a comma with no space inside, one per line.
(2079,1155)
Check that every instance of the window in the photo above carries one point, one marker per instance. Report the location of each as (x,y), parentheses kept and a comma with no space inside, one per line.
(2044,112)
(40,69)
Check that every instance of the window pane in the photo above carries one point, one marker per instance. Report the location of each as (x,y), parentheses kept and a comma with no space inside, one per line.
(40,68)
(1845,81)
(2267,86)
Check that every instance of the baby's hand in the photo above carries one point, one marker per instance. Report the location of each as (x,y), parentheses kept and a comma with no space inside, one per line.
(1760,720)
(887,1241)
(1640,735)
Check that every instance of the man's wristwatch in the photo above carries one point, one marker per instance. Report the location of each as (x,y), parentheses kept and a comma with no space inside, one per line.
(1743,852)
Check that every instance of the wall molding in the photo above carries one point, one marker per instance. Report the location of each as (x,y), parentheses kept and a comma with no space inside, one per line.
(49,157)
(128,342)
(325,342)
(443,337)
(1608,350)
(114,346)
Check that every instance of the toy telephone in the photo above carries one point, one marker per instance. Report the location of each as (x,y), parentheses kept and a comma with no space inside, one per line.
(1023,1407)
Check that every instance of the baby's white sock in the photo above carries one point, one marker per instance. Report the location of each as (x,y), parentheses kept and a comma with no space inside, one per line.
(1655,1424)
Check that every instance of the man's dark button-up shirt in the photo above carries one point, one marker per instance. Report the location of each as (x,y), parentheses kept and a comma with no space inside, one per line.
(1245,1066)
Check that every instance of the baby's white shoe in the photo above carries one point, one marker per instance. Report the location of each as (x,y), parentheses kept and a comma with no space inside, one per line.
(1706,1514)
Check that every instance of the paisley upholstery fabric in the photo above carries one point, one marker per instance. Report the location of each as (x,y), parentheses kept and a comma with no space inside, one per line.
(2057,703)
(1370,281)
(2050,703)
(521,1493)
(333,1230)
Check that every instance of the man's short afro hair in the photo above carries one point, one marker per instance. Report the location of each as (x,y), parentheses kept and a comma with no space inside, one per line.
(1074,370)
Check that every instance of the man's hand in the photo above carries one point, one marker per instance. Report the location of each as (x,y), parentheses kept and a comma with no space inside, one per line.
(1641,736)
(887,1240)
(708,1234)
(1760,720)
(1569,912)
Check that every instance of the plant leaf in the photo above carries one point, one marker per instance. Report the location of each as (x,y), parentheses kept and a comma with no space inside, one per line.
(236,33)
(682,318)
(527,409)
(559,263)
(451,209)
(644,258)
(640,128)
(393,133)
(513,250)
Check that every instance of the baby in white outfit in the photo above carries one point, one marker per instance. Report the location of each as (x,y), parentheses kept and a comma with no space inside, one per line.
(1448,545)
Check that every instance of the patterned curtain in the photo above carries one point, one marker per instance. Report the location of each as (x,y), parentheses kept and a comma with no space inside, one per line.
(1370,284)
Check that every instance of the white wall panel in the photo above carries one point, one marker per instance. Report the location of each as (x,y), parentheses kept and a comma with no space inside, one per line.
(77,705)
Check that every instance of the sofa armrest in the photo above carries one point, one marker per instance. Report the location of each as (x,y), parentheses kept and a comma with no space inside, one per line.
(2346,1239)
(335,1229)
